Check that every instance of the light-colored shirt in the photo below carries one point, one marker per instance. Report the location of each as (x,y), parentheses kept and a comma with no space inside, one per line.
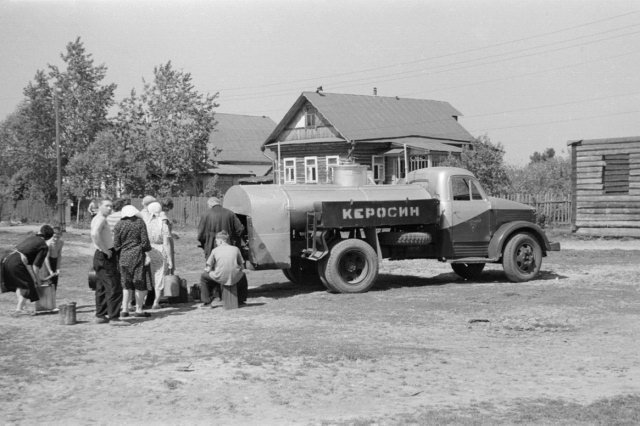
(145,215)
(101,236)
(158,230)
(226,263)
(55,247)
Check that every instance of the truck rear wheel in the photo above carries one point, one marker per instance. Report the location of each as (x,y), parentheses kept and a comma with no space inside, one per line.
(468,271)
(322,266)
(302,273)
(522,258)
(352,267)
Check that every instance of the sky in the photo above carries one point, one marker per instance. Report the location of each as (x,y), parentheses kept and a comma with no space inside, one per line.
(529,74)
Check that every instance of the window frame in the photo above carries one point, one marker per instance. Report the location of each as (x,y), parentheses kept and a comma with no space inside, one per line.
(309,117)
(286,168)
(313,168)
(474,191)
(615,180)
(380,168)
(329,167)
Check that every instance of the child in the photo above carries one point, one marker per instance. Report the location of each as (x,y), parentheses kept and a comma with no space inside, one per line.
(54,256)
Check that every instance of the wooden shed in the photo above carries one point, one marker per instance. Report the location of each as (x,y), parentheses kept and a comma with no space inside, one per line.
(605,180)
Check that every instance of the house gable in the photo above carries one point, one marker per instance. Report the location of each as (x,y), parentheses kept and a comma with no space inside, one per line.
(307,123)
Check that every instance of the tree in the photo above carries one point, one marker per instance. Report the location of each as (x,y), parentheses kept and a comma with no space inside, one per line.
(29,133)
(167,129)
(537,157)
(83,101)
(485,160)
(28,148)
(552,175)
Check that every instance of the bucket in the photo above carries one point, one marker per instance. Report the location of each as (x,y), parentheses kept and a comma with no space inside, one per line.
(68,313)
(47,295)
(194,292)
(91,279)
(350,175)
(171,284)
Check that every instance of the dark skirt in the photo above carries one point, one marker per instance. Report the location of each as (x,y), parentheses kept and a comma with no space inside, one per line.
(16,276)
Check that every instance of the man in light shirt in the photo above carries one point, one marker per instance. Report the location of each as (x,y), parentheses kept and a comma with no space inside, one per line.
(108,290)
(224,268)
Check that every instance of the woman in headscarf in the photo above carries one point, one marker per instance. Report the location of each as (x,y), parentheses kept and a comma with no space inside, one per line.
(21,268)
(130,241)
(161,254)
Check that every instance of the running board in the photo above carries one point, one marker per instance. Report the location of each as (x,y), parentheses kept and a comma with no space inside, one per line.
(474,260)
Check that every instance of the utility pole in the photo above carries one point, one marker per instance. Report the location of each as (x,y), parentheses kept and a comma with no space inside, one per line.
(61,203)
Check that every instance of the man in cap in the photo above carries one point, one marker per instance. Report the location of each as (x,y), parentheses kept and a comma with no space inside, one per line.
(217,219)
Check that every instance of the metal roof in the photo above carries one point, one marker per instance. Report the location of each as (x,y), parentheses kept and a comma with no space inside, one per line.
(604,140)
(240,137)
(361,117)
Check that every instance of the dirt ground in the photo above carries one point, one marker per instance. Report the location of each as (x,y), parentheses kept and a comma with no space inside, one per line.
(422,347)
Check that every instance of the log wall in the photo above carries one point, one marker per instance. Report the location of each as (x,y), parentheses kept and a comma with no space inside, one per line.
(606,186)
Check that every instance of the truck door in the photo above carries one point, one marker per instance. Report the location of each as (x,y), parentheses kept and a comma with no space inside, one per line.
(470,218)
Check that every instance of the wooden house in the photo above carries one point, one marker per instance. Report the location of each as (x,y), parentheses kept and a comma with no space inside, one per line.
(605,181)
(390,135)
(234,146)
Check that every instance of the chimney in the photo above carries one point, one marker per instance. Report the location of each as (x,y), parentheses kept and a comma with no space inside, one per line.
(375,91)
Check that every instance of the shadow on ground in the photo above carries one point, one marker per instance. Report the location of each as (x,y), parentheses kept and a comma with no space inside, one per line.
(284,289)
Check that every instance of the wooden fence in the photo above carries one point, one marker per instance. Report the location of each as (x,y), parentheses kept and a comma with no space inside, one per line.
(34,211)
(555,209)
(188,210)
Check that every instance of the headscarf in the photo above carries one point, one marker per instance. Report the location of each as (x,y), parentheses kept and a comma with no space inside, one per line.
(129,211)
(213,201)
(154,208)
(148,200)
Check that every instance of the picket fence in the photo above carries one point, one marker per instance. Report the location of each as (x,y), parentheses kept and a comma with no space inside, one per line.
(188,210)
(554,209)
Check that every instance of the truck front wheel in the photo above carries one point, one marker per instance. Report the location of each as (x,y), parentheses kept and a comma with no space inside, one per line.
(352,267)
(468,271)
(522,258)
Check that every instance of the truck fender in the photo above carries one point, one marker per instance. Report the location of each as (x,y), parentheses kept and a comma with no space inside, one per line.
(500,237)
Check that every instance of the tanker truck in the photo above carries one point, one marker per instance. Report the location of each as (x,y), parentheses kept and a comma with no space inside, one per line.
(338,233)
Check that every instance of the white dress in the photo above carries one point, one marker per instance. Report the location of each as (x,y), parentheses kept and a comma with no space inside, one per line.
(158,256)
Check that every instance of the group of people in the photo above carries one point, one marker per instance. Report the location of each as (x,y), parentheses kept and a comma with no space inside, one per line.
(133,252)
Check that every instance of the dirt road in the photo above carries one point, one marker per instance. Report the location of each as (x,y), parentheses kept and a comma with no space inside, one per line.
(422,342)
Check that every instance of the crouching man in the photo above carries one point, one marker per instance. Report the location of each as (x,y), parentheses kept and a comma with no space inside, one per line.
(224,268)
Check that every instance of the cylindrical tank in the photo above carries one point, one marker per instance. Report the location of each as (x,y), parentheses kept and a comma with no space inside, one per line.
(350,175)
(274,207)
(275,213)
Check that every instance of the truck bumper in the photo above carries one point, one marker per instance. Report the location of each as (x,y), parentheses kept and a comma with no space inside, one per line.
(554,246)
